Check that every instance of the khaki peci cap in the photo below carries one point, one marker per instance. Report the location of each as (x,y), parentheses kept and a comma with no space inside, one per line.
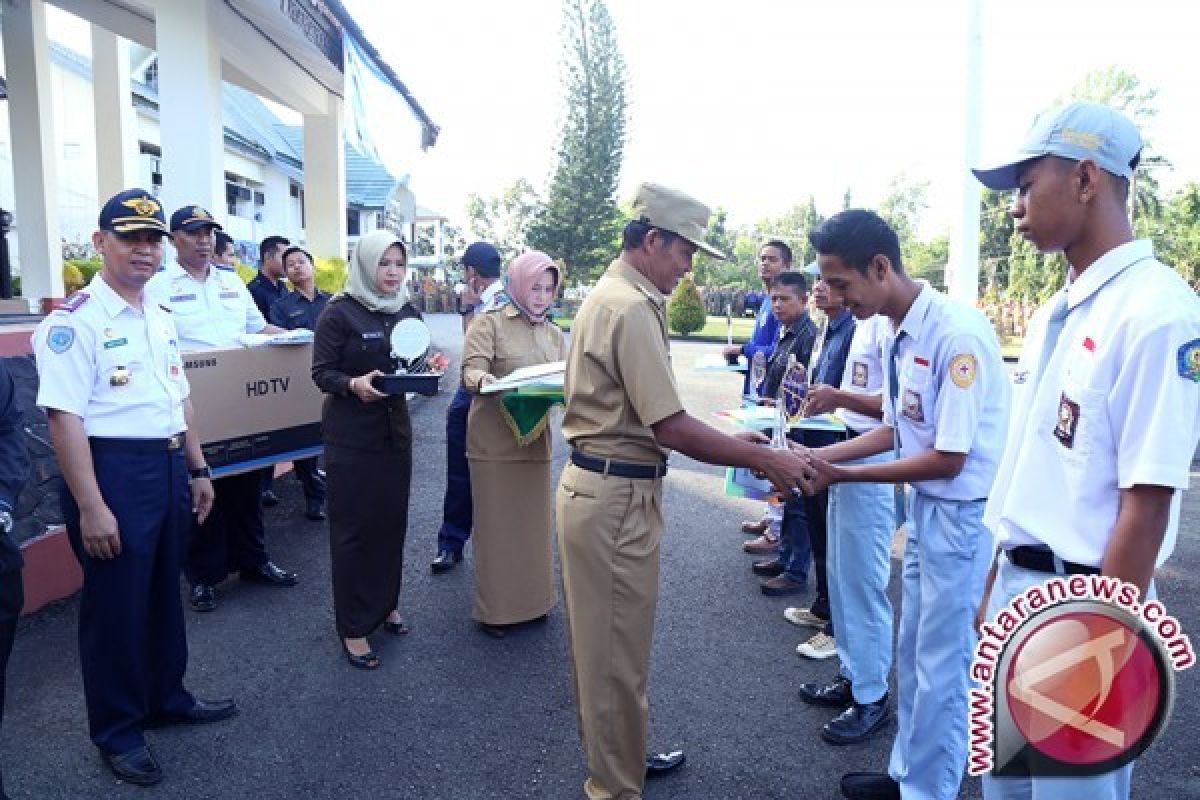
(674,211)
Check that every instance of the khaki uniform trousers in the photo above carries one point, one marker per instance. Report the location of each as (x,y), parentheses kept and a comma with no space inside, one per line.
(609,530)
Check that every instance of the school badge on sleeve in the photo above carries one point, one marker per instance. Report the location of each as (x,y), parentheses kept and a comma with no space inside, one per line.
(1189,360)
(60,338)
(962,370)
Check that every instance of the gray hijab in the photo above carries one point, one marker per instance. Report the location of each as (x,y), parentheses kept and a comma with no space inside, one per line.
(360,283)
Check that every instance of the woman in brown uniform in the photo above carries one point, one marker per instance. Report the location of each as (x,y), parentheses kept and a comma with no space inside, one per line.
(368,444)
(510,482)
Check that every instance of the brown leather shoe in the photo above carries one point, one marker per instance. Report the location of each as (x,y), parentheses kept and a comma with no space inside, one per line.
(762,546)
(782,586)
(755,528)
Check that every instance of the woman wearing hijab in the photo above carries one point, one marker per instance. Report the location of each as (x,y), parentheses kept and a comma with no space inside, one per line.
(510,478)
(368,444)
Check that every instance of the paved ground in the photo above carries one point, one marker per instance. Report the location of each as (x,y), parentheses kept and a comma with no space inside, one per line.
(456,715)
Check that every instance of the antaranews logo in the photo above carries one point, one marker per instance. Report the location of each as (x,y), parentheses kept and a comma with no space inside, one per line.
(1075,677)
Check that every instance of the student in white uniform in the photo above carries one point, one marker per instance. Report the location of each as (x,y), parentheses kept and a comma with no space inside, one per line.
(861,522)
(1107,406)
(945,411)
(212,308)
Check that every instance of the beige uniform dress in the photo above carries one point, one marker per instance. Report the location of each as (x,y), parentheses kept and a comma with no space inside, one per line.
(510,484)
(618,383)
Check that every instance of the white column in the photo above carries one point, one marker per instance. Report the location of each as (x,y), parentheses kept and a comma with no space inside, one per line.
(190,120)
(962,280)
(325,182)
(31,120)
(116,123)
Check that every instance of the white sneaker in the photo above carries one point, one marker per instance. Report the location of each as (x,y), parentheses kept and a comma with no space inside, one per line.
(820,647)
(803,617)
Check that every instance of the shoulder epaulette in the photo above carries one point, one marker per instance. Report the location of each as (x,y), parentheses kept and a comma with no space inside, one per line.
(225,268)
(75,302)
(164,308)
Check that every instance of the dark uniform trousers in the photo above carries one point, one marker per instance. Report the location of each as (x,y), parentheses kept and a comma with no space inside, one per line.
(233,537)
(609,530)
(456,507)
(12,599)
(132,641)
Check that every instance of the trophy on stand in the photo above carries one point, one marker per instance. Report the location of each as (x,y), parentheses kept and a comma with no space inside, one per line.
(789,406)
(758,374)
(416,370)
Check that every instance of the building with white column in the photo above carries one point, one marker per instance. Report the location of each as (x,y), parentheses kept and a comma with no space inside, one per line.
(194,66)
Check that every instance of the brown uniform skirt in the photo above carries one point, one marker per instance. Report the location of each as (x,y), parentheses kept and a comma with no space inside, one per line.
(511,539)
(368,520)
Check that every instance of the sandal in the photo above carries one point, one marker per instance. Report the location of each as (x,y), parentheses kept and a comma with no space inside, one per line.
(367,660)
(395,628)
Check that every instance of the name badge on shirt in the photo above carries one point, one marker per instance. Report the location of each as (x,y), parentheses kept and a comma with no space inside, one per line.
(182,298)
(229,295)
(372,334)
(859,375)
(1068,421)
(111,343)
(911,406)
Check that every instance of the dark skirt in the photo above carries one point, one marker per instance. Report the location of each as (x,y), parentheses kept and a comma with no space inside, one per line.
(368,520)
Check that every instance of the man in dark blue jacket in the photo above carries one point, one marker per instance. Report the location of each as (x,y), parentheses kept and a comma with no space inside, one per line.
(14,468)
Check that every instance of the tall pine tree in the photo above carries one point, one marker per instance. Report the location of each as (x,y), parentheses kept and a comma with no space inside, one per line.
(580,222)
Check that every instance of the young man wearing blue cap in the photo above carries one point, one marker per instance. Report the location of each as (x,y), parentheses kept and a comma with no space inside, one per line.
(945,410)
(116,397)
(1106,412)
(485,290)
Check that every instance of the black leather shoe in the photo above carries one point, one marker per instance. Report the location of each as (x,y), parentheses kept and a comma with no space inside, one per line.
(768,569)
(204,597)
(271,575)
(446,560)
(662,763)
(202,713)
(270,499)
(835,694)
(315,511)
(869,786)
(137,766)
(857,722)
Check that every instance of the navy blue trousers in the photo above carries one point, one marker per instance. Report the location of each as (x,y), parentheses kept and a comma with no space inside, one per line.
(456,507)
(132,640)
(12,598)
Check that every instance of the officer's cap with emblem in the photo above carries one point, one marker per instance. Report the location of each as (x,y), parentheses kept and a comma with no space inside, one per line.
(1077,131)
(192,218)
(131,211)
(674,211)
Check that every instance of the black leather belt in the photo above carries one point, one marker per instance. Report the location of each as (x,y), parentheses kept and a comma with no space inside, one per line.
(1042,559)
(621,469)
(138,445)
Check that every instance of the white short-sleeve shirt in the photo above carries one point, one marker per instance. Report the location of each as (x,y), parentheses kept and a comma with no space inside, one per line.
(115,366)
(952,392)
(864,369)
(1118,406)
(209,313)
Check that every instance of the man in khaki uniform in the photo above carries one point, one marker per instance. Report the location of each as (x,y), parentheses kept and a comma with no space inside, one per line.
(623,418)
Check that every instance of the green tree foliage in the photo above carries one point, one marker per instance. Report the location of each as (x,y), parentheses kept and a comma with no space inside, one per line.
(1176,232)
(792,227)
(709,271)
(504,219)
(685,309)
(580,220)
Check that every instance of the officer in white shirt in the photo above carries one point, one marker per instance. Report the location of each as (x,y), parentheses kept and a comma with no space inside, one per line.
(859,563)
(115,394)
(212,309)
(945,410)
(1107,403)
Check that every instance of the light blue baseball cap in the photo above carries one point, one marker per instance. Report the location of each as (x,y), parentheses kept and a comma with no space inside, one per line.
(1079,131)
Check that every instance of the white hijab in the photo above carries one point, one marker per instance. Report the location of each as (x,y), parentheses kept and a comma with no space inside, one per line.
(364,263)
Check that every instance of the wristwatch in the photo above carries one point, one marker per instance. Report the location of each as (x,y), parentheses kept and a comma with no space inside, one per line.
(6,522)
(200,472)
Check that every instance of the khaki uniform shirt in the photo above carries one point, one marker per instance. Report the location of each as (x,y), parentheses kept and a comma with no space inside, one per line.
(619,380)
(497,343)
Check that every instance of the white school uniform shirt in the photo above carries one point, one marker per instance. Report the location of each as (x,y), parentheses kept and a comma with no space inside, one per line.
(1118,406)
(865,368)
(209,313)
(953,392)
(116,367)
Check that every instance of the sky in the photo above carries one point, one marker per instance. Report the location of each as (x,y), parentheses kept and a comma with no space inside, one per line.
(753,105)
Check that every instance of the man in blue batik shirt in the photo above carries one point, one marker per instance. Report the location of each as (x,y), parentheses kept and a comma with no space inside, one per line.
(773,258)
